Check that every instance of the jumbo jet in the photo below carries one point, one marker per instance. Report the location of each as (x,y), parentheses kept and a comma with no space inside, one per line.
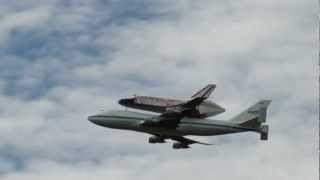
(178,118)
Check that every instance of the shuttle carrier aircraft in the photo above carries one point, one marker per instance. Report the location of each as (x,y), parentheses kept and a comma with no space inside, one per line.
(177,118)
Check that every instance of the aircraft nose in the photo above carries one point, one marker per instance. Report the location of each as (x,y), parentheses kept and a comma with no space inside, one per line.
(92,119)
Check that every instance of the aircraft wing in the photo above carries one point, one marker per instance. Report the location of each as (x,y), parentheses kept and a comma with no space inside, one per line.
(187,141)
(173,114)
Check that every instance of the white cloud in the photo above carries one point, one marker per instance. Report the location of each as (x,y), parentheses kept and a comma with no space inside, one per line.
(22,20)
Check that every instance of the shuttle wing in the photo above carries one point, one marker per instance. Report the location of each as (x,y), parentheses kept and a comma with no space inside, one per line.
(173,114)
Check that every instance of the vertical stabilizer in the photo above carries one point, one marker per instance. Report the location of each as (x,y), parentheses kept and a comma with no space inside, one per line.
(205,92)
(254,117)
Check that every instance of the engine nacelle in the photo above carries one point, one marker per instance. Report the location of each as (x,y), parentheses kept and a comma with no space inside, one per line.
(179,145)
(156,139)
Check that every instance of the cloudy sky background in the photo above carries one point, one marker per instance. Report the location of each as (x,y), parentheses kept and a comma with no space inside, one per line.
(64,60)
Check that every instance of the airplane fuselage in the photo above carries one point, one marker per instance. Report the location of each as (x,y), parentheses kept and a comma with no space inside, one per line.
(128,120)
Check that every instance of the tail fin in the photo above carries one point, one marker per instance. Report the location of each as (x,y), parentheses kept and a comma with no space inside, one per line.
(200,96)
(205,92)
(253,117)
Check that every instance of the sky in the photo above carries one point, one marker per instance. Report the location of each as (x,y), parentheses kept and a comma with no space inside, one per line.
(64,60)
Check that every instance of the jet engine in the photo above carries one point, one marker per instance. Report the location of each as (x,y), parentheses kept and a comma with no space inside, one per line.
(156,139)
(179,145)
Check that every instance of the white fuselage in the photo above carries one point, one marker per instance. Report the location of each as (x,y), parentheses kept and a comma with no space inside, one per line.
(187,126)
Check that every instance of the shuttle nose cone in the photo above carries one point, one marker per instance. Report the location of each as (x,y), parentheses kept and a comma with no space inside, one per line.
(125,102)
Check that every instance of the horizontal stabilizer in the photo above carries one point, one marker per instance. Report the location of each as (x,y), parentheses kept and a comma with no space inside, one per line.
(264,132)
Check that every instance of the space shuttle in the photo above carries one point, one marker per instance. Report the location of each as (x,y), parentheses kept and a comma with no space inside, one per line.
(202,107)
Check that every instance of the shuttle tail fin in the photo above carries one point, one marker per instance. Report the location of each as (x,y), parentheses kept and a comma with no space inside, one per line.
(200,96)
(204,92)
